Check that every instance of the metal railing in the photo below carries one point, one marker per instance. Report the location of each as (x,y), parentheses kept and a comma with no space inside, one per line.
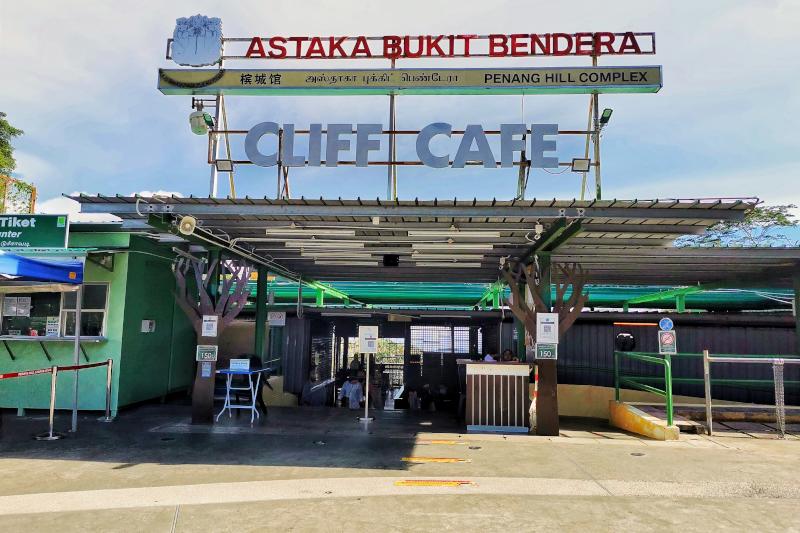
(777,372)
(636,383)
(54,371)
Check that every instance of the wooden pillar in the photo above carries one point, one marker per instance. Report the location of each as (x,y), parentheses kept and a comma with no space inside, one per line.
(261,312)
(547,399)
(203,389)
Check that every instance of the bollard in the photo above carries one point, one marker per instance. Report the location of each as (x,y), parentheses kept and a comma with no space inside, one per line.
(51,435)
(707,383)
(108,417)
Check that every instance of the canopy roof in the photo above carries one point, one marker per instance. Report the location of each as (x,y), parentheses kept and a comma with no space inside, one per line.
(618,241)
(17,271)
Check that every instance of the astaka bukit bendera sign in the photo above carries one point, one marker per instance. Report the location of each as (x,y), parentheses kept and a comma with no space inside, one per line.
(408,47)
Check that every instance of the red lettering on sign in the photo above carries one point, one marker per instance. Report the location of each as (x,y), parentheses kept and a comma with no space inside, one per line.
(336,44)
(566,40)
(583,44)
(391,47)
(518,46)
(361,47)
(603,39)
(298,44)
(256,48)
(279,44)
(466,39)
(407,47)
(315,49)
(432,43)
(498,46)
(540,44)
(629,42)
(452,45)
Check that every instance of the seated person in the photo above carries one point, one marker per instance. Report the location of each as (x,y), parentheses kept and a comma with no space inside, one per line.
(352,391)
(508,356)
(311,397)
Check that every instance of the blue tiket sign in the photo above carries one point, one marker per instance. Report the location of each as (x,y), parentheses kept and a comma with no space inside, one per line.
(665,324)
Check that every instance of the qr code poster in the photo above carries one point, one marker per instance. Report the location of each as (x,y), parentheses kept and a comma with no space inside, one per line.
(547,328)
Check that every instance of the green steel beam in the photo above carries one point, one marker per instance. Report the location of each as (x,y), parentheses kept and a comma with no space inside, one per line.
(671,293)
(680,303)
(555,236)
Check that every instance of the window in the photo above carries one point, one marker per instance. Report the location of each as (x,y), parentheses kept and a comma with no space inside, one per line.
(93,310)
(24,314)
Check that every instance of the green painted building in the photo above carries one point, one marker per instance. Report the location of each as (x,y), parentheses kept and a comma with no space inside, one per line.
(127,280)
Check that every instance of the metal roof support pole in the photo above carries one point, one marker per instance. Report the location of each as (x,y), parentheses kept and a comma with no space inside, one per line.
(261,312)
(597,184)
(680,303)
(391,186)
(547,398)
(213,186)
(320,298)
(796,309)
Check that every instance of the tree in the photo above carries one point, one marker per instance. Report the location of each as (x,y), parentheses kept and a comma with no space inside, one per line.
(761,226)
(7,132)
(197,300)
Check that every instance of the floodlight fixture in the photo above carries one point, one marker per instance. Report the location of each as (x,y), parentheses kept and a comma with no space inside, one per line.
(580,164)
(224,165)
(605,116)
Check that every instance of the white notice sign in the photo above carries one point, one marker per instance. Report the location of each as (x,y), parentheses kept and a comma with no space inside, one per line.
(24,306)
(10,306)
(51,326)
(276,318)
(368,339)
(547,328)
(210,325)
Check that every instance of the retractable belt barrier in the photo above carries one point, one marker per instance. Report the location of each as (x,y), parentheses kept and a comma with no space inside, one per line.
(54,370)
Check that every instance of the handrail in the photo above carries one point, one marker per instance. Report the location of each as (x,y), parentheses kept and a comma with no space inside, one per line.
(666,393)
(778,382)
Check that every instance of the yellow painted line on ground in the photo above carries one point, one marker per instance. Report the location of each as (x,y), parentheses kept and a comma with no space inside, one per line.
(432,483)
(435,460)
(446,442)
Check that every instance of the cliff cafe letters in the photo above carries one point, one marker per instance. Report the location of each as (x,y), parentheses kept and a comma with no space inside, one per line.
(473,147)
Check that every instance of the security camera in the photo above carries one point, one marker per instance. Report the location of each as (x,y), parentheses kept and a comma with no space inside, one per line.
(200,122)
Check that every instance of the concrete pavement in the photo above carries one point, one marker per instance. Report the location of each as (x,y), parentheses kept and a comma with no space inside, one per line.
(308,470)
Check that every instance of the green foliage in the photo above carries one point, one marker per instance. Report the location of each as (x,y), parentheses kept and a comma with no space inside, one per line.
(762,226)
(7,132)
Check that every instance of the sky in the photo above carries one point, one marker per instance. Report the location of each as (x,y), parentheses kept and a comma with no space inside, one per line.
(80,78)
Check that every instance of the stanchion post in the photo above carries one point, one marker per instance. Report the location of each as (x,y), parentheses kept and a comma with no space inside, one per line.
(109,374)
(366,418)
(51,434)
(707,383)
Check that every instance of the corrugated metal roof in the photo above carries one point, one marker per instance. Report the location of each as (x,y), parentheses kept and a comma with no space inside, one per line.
(457,240)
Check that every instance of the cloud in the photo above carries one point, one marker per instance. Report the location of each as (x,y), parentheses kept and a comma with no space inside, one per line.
(62,205)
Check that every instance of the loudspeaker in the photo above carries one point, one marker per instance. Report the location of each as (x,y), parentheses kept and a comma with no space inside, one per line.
(187,225)
(391,260)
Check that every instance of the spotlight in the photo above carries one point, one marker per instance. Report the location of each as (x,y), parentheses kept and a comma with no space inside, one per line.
(580,165)
(606,116)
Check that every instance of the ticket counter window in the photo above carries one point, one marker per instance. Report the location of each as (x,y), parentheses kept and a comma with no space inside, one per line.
(26,314)
(93,310)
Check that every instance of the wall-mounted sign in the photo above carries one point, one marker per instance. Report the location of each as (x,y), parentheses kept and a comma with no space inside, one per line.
(368,339)
(17,306)
(546,350)
(198,40)
(33,231)
(667,342)
(665,324)
(547,328)
(551,80)
(206,352)
(276,318)
(148,326)
(210,326)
